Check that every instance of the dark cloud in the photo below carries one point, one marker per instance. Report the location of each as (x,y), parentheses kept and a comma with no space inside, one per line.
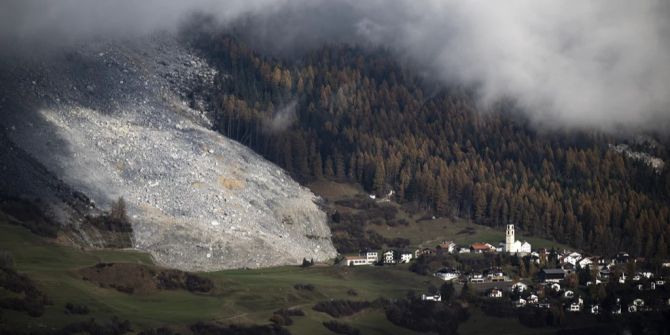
(601,63)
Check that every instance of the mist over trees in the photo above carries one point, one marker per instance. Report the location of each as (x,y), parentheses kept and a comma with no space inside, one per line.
(359,117)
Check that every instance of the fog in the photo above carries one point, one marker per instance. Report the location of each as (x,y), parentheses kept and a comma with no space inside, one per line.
(601,64)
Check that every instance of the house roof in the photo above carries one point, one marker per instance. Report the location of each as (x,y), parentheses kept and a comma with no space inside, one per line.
(351,258)
(554,271)
(480,246)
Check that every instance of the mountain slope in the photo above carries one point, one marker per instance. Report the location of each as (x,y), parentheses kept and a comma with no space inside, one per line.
(110,121)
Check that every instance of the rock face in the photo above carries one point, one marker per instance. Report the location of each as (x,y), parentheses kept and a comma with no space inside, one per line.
(110,121)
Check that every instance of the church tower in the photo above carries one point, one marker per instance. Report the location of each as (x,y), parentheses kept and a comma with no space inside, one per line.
(509,238)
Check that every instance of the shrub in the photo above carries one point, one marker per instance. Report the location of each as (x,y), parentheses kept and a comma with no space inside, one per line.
(341,328)
(304,287)
(71,308)
(201,328)
(426,316)
(339,308)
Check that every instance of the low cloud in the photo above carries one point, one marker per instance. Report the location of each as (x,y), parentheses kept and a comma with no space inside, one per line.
(600,64)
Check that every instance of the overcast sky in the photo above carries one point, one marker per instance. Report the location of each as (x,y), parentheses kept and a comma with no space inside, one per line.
(600,63)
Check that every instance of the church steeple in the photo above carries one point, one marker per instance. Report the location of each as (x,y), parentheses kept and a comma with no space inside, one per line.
(509,238)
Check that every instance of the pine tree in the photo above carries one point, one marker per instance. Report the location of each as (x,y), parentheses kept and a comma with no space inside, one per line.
(379,181)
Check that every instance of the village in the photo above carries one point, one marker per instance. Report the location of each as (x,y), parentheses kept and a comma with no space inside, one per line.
(516,276)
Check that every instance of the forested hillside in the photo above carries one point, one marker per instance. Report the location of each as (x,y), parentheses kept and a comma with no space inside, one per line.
(350,114)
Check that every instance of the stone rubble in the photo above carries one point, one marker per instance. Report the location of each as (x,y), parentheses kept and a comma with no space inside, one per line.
(128,119)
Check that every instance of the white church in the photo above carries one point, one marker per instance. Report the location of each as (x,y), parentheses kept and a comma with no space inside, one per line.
(515,246)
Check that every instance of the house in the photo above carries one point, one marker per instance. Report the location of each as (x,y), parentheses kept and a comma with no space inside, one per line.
(636,306)
(479,247)
(476,278)
(518,287)
(571,258)
(464,250)
(535,257)
(448,246)
(405,257)
(364,258)
(495,274)
(574,307)
(447,274)
(425,251)
(660,282)
(552,275)
(356,260)
(595,309)
(431,297)
(532,299)
(371,257)
(645,274)
(544,304)
(495,293)
(556,287)
(584,262)
(569,294)
(389,257)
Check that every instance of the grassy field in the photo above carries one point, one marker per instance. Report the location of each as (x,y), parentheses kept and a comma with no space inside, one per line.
(426,233)
(241,296)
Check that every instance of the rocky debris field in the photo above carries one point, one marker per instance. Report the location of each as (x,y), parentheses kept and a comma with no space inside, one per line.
(112,120)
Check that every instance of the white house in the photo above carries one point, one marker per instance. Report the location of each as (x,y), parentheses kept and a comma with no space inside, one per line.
(371,257)
(405,257)
(449,246)
(431,297)
(572,258)
(645,274)
(389,257)
(556,287)
(447,274)
(568,294)
(584,262)
(367,258)
(519,287)
(574,307)
(515,246)
(532,299)
(356,260)
(476,278)
(495,293)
